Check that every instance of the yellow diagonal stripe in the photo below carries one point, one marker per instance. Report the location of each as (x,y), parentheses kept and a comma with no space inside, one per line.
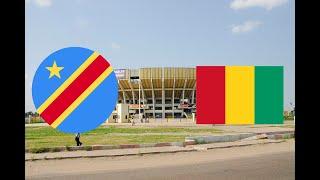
(82,97)
(66,83)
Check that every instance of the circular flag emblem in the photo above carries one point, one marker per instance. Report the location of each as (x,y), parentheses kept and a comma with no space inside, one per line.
(75,90)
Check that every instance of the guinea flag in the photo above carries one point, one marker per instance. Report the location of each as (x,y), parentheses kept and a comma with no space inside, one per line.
(239,94)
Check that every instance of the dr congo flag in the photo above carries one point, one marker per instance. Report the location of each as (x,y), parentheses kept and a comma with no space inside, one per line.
(75,89)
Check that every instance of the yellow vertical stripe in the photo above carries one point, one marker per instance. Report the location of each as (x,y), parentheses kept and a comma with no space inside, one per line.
(239,94)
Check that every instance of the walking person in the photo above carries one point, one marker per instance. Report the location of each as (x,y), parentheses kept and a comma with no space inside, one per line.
(77,138)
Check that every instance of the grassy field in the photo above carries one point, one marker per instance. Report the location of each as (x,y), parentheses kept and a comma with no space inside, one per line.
(40,137)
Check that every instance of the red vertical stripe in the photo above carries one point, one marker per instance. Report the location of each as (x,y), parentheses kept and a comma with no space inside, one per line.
(210,94)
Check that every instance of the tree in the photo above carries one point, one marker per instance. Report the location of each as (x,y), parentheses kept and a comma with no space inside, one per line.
(28,113)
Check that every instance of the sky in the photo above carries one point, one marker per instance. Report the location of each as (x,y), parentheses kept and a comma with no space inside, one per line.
(165,33)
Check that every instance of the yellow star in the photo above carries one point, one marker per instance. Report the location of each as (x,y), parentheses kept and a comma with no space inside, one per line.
(54,70)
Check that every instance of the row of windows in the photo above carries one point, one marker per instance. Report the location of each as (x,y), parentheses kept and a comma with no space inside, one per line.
(167,115)
(166,108)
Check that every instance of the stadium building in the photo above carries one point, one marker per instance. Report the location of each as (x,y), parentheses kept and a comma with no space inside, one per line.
(158,92)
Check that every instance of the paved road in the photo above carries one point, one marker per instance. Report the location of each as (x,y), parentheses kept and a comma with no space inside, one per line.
(269,161)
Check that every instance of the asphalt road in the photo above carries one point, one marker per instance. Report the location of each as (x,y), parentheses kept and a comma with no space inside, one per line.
(270,161)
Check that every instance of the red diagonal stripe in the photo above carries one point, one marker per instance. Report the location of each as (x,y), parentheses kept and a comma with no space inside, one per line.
(75,89)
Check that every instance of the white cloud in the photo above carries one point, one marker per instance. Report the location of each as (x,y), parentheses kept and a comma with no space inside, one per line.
(267,4)
(43,3)
(25,76)
(245,27)
(115,46)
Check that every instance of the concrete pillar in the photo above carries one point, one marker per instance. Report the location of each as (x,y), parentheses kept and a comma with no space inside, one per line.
(184,88)
(163,95)
(124,98)
(143,98)
(174,84)
(193,91)
(153,100)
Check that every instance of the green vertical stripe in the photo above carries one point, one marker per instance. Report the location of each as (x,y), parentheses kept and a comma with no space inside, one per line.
(268,94)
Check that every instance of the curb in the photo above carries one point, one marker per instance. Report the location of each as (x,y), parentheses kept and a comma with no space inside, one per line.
(190,149)
(107,147)
(281,136)
(221,138)
(237,145)
(279,132)
(188,141)
(272,135)
(112,155)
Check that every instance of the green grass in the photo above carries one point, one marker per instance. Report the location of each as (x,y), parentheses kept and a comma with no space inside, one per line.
(42,137)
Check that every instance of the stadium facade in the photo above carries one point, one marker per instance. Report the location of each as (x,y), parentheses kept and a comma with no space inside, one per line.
(167,92)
